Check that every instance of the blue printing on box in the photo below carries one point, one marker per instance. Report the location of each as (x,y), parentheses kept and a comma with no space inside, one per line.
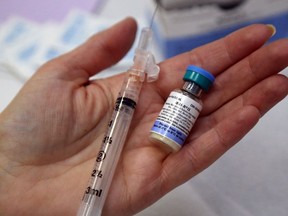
(172,47)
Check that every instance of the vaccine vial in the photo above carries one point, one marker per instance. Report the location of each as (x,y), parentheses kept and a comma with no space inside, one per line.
(181,110)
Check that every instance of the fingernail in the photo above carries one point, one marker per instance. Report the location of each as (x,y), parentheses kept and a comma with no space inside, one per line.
(272,29)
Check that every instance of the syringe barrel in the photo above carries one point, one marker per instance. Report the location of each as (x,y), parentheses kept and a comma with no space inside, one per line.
(113,142)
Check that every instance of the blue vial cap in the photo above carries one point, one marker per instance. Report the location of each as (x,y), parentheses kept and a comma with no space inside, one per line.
(199,76)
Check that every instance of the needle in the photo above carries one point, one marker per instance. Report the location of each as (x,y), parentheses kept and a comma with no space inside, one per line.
(153,16)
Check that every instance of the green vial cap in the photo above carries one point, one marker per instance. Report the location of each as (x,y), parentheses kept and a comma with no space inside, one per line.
(199,76)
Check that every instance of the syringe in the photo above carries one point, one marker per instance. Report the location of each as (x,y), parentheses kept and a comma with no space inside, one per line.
(109,154)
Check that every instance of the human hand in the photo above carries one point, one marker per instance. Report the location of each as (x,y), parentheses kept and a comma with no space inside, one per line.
(51,132)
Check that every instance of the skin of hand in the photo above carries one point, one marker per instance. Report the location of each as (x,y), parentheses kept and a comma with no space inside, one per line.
(51,132)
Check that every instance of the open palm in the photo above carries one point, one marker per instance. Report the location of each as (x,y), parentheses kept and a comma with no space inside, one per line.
(51,132)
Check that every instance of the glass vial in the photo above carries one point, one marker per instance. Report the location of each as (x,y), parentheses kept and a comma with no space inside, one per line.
(181,110)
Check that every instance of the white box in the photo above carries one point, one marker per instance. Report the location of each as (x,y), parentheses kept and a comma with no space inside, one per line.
(184,28)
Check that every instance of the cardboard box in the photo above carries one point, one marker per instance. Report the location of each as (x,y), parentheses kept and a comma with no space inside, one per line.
(181,29)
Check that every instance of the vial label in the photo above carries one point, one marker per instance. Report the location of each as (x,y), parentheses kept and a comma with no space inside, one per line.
(177,117)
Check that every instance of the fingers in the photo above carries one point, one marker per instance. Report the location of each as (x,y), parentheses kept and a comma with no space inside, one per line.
(267,94)
(252,89)
(261,64)
(99,52)
(195,157)
(224,128)
(215,57)
(262,96)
